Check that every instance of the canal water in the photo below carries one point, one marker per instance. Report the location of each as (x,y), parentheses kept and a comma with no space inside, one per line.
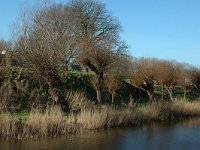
(180,136)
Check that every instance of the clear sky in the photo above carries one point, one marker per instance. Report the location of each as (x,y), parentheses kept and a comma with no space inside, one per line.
(167,29)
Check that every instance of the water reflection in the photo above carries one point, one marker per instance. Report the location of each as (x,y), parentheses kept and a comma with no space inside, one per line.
(181,136)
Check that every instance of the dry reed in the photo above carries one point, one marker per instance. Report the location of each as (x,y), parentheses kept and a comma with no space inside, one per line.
(53,122)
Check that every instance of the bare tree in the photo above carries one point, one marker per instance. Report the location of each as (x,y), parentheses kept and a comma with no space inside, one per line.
(166,76)
(195,77)
(97,35)
(117,75)
(113,84)
(144,75)
(47,44)
(184,77)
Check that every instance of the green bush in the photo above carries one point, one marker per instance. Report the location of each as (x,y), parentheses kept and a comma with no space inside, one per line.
(78,81)
(22,90)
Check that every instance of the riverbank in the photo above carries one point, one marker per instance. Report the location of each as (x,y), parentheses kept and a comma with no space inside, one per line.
(53,122)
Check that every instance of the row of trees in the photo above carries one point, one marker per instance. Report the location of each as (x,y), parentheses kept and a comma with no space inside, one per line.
(149,72)
(54,36)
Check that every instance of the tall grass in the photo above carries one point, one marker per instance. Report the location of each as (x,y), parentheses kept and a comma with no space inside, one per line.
(8,126)
(53,122)
(49,123)
(185,108)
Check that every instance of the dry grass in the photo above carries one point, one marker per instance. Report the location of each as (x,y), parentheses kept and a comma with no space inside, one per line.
(8,126)
(77,100)
(49,123)
(183,108)
(91,119)
(52,122)
(108,116)
(156,111)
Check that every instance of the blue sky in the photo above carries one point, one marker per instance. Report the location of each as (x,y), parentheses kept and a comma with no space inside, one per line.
(167,29)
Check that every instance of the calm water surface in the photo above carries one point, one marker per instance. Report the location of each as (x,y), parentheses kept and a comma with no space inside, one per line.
(181,136)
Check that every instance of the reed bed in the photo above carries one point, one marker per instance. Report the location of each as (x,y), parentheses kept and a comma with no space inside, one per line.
(53,122)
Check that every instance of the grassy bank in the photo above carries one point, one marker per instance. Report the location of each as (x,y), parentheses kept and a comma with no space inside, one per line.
(53,122)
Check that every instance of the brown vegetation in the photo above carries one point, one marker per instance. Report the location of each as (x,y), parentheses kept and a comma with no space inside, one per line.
(53,122)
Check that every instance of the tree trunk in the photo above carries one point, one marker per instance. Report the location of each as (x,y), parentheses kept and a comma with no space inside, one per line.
(150,90)
(162,92)
(98,92)
(53,93)
(150,94)
(99,87)
(170,93)
(54,82)
(185,93)
(113,97)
